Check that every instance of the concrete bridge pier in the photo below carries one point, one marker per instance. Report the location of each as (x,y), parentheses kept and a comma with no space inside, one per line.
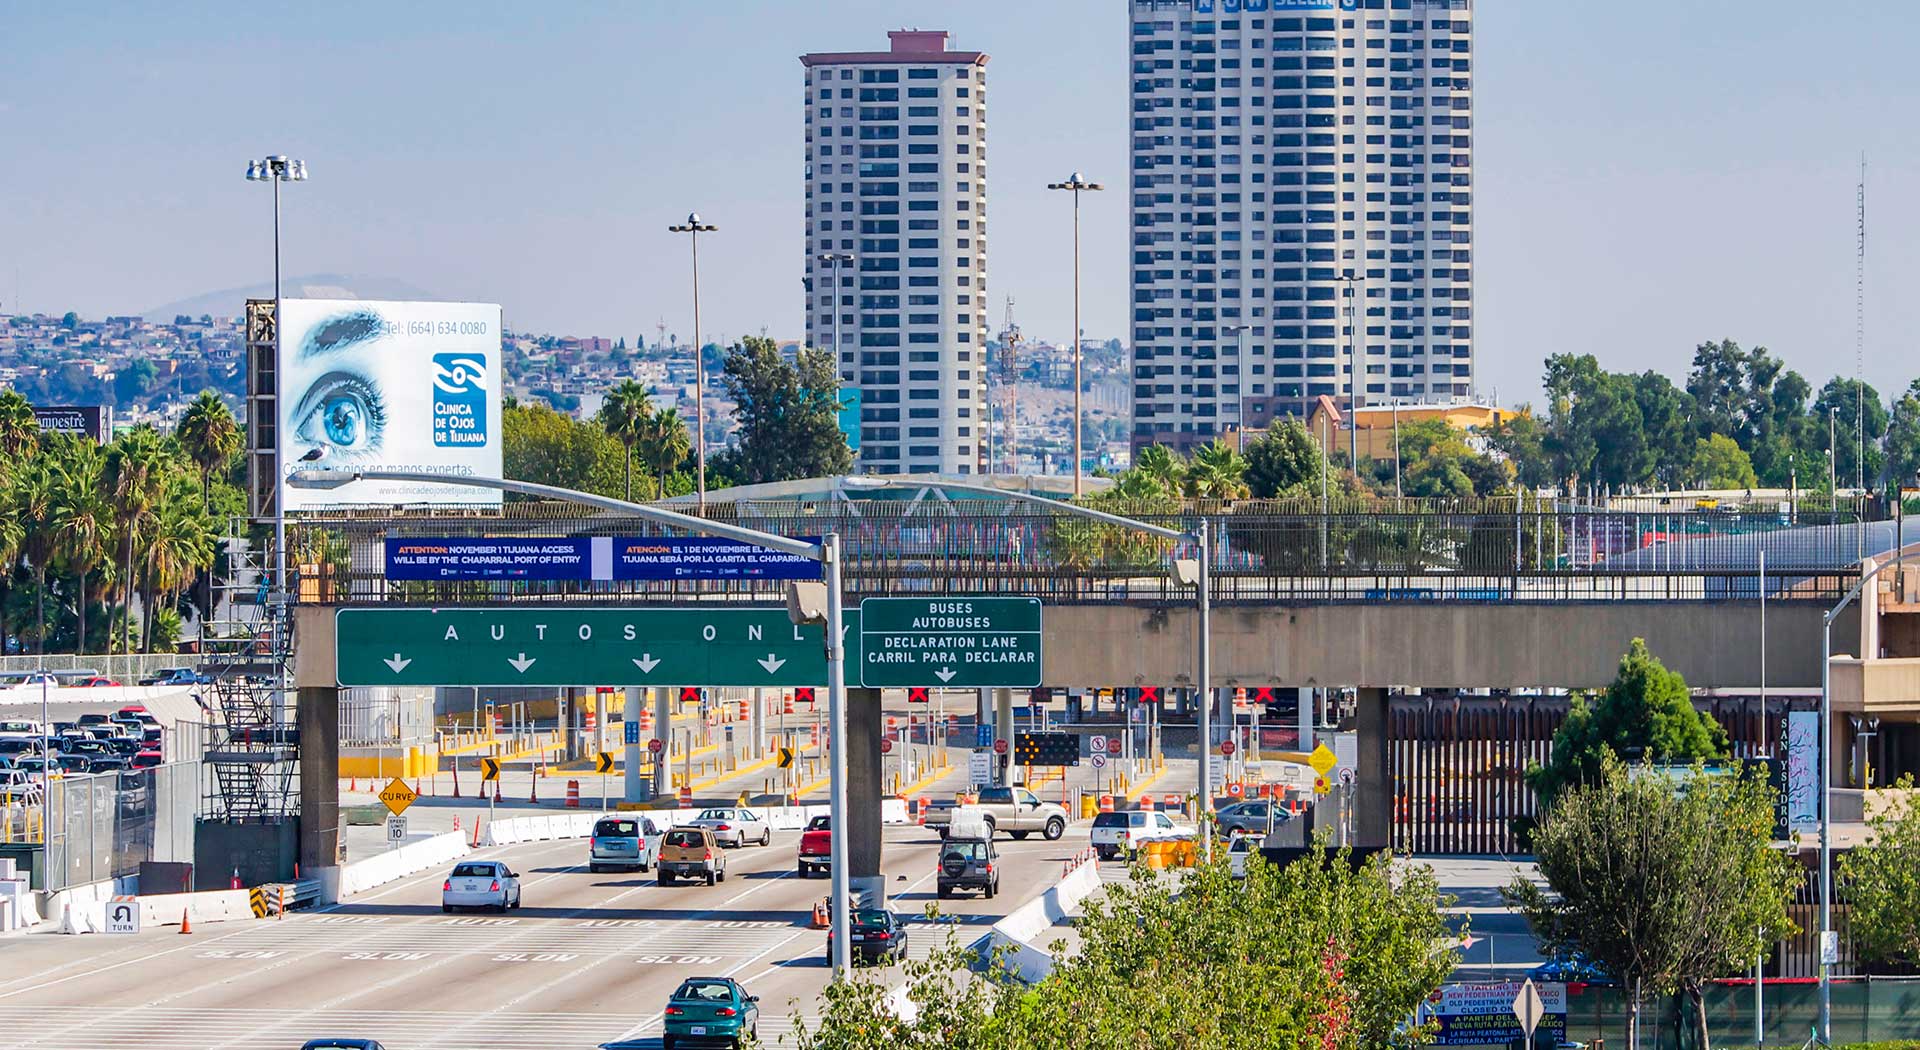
(865,882)
(1373,778)
(317,714)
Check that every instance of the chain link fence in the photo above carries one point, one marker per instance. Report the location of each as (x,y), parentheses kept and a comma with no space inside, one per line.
(103,826)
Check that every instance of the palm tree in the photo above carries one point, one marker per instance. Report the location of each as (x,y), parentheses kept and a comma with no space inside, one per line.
(664,444)
(34,496)
(625,414)
(1159,463)
(13,536)
(19,430)
(179,546)
(210,437)
(83,521)
(135,475)
(1217,472)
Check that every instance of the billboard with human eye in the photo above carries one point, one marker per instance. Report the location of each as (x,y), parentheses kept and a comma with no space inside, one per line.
(373,386)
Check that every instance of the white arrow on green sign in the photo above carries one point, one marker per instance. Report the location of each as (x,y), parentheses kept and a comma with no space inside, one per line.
(963,642)
(564,646)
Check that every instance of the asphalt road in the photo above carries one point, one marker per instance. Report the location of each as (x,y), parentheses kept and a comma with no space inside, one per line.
(589,960)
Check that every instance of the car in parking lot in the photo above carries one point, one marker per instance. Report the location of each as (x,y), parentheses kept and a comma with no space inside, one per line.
(177,676)
(1122,833)
(95,682)
(147,760)
(480,884)
(709,1011)
(734,826)
(623,842)
(876,935)
(692,853)
(1255,816)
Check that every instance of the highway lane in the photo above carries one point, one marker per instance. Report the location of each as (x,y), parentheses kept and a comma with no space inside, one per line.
(590,959)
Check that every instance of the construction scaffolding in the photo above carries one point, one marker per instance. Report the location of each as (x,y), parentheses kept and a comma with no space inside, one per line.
(250,742)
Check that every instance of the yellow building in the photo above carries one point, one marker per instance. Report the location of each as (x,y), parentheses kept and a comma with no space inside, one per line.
(1374,439)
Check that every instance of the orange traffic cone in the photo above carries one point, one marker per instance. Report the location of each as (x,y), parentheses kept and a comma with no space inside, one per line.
(476,833)
(186,924)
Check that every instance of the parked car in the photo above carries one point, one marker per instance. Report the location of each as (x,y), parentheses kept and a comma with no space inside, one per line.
(20,726)
(95,719)
(106,764)
(623,842)
(1122,833)
(1013,810)
(96,682)
(140,713)
(72,764)
(19,745)
(126,746)
(83,745)
(147,760)
(709,1011)
(816,847)
(691,852)
(966,863)
(876,935)
(734,827)
(480,884)
(177,676)
(341,1044)
(1241,848)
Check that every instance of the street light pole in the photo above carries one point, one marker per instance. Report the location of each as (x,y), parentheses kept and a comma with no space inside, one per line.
(834,259)
(277,169)
(693,227)
(1076,183)
(826,552)
(1240,365)
(1354,372)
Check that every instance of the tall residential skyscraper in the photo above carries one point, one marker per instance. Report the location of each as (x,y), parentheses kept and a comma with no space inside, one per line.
(897,180)
(1288,154)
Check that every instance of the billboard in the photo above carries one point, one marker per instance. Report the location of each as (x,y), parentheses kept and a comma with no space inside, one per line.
(411,387)
(94,421)
(591,558)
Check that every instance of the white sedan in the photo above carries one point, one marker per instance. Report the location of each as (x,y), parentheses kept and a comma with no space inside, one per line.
(480,884)
(734,827)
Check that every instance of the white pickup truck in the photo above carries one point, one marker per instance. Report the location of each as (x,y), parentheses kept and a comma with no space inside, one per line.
(1013,810)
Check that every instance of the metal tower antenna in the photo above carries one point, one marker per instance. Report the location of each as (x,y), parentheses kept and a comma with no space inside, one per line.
(660,332)
(1860,317)
(1009,381)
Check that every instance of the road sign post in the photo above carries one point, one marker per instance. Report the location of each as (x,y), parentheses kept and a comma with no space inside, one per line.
(1529,1008)
(962,642)
(396,831)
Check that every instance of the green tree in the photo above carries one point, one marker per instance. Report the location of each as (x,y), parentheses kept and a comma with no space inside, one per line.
(1720,463)
(1664,418)
(70,320)
(83,519)
(210,436)
(135,476)
(788,413)
(664,444)
(1883,882)
(1663,882)
(132,382)
(624,414)
(540,444)
(1521,439)
(178,546)
(19,430)
(1284,461)
(1903,437)
(34,499)
(1847,399)
(1719,387)
(1162,467)
(1644,714)
(1217,472)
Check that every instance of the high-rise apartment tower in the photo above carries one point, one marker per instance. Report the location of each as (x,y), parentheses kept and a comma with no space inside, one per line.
(896,176)
(1293,158)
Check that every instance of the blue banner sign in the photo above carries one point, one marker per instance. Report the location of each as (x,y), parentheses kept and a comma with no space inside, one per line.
(589,558)
(483,558)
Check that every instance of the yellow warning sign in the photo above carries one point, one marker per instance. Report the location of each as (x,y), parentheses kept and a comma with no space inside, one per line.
(786,758)
(1321,785)
(603,762)
(398,796)
(1322,760)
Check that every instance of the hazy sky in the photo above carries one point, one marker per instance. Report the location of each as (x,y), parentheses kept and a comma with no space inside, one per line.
(1647,176)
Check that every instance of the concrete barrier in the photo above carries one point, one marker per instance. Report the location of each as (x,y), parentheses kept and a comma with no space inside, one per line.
(1018,933)
(83,909)
(363,875)
(166,909)
(513,830)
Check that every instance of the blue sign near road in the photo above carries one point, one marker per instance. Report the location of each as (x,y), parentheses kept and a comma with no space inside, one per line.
(632,733)
(424,558)
(983,735)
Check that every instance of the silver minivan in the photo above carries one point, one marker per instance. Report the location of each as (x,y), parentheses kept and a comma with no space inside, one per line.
(623,841)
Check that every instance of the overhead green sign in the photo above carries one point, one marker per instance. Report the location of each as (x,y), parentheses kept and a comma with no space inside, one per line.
(964,642)
(565,646)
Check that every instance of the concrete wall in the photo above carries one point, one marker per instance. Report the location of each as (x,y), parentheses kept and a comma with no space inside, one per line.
(1715,645)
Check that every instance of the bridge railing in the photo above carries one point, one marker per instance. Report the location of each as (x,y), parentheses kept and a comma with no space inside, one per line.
(1484,551)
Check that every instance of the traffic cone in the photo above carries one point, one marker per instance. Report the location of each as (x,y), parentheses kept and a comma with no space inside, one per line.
(533,795)
(476,833)
(496,791)
(186,923)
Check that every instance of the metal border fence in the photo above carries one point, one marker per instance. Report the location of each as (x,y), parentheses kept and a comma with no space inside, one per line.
(1492,551)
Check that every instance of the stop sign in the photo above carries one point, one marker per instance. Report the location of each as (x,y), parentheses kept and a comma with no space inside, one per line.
(1113,745)
(655,745)
(999,747)
(886,745)
(1226,747)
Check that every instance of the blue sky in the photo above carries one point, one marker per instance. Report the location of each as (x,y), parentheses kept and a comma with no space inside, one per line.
(1647,175)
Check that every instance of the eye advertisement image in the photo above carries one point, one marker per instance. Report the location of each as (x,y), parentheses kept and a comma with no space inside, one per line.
(395,386)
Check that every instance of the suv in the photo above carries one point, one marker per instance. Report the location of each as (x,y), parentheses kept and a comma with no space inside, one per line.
(967,864)
(1017,811)
(622,842)
(692,852)
(1121,833)
(177,676)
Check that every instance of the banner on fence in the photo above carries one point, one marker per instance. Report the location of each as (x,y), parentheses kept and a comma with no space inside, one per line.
(1482,1014)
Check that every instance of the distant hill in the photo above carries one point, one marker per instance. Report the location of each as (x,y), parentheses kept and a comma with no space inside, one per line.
(228,301)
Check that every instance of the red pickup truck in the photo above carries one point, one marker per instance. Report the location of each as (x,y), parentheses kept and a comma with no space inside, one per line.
(816,847)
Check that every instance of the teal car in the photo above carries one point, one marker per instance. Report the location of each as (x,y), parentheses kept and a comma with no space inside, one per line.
(710,1011)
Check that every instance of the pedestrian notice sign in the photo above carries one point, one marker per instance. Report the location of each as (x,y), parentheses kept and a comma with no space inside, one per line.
(397,796)
(980,767)
(630,732)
